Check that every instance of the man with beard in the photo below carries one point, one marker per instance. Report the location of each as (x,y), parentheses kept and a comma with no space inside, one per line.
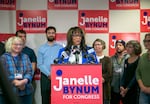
(118,69)
(46,54)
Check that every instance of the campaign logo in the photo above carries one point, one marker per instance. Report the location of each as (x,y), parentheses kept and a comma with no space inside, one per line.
(145,20)
(113,37)
(82,85)
(62,4)
(7,4)
(94,21)
(31,21)
(124,4)
(77,86)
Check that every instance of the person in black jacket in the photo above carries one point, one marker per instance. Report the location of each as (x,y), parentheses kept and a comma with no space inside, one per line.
(129,86)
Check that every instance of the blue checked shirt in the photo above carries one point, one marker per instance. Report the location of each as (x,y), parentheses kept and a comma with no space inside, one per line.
(20,62)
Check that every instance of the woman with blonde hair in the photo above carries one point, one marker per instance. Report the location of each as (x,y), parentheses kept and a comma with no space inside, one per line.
(19,69)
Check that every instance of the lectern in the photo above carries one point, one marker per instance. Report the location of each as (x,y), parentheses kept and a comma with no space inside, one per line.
(76,84)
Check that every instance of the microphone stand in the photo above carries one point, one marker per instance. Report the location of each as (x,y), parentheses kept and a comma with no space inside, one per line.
(77,58)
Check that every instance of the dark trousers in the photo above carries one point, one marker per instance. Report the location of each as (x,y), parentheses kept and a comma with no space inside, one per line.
(115,98)
(34,86)
(45,89)
(131,97)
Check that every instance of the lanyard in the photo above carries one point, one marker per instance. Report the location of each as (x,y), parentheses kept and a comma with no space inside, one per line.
(17,63)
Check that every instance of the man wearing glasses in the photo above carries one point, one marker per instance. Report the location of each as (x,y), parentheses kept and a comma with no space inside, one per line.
(142,73)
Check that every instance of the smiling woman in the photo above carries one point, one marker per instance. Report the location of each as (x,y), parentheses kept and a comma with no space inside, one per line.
(14,45)
(19,69)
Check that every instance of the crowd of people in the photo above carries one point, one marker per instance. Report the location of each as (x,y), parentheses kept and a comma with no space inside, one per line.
(125,75)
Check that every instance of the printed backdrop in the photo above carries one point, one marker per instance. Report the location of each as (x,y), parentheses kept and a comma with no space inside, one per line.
(99,18)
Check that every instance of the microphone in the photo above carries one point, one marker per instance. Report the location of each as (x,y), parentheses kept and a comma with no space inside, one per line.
(64,55)
(56,61)
(90,56)
(76,52)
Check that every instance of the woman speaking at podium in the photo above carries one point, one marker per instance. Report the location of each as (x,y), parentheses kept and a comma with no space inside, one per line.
(76,51)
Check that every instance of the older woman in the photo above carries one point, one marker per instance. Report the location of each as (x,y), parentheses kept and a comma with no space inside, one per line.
(19,69)
(99,46)
(129,86)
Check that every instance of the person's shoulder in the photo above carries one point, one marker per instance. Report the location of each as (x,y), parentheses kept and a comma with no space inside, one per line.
(2,44)
(23,54)
(107,57)
(5,54)
(62,49)
(144,55)
(43,46)
(58,45)
(28,48)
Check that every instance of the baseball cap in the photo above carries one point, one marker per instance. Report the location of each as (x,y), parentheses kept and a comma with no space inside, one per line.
(121,41)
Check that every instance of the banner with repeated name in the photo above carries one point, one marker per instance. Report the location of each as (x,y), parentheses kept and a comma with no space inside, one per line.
(7,4)
(76,84)
(32,21)
(62,4)
(124,4)
(113,37)
(94,21)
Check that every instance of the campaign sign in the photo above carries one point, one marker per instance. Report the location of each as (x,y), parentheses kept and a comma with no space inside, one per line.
(62,4)
(32,21)
(94,21)
(7,4)
(113,37)
(76,84)
(145,20)
(5,36)
(124,4)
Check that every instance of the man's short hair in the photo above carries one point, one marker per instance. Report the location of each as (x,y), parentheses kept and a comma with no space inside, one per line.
(20,31)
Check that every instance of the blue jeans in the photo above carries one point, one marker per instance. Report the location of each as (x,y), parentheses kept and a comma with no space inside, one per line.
(144,98)
(26,99)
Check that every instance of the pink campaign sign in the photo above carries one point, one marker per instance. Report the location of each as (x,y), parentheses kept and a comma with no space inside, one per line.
(76,84)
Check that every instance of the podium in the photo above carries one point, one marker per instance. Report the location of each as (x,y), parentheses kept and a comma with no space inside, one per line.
(76,84)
